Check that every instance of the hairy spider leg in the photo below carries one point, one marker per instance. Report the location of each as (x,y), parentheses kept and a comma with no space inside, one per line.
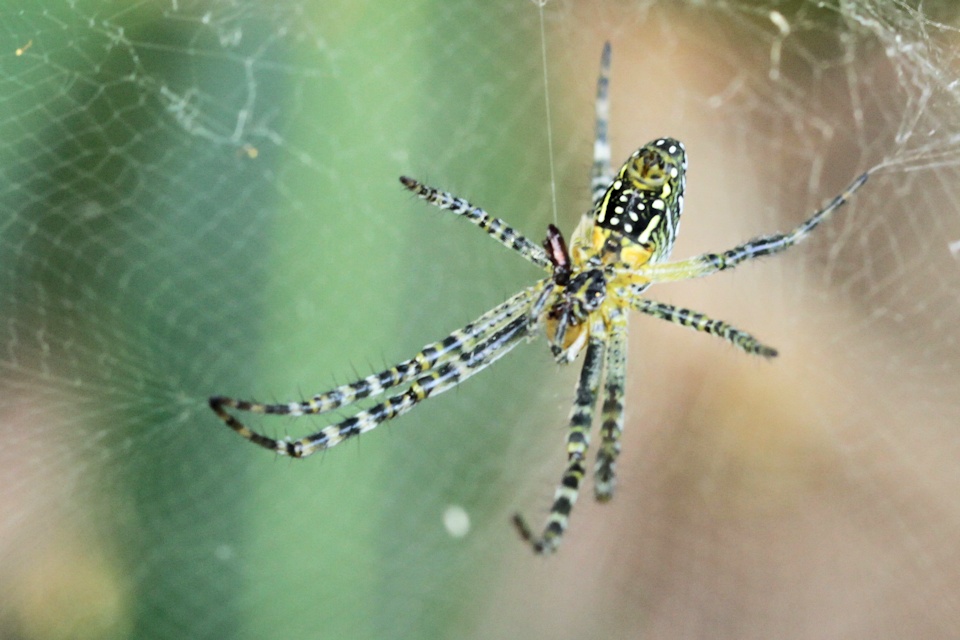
(578,440)
(708,263)
(430,357)
(497,228)
(700,322)
(614,393)
(540,303)
(602,173)
(433,382)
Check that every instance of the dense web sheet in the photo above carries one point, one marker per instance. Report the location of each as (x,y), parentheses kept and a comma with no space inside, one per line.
(201,198)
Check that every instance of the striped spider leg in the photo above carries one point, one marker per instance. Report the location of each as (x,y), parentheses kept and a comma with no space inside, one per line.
(619,248)
(709,263)
(436,368)
(601,173)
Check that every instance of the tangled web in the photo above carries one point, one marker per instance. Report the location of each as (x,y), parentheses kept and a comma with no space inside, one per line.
(201,198)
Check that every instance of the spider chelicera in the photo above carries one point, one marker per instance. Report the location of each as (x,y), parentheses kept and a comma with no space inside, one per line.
(618,250)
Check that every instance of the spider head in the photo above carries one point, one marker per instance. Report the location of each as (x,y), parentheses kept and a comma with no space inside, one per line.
(645,199)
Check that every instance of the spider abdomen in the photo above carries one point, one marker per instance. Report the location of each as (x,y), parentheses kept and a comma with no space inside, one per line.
(644,201)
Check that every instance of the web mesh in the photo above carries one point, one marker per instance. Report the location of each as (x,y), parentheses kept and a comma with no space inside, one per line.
(201,198)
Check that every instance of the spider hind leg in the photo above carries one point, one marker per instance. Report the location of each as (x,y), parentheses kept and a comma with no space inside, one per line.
(612,411)
(578,440)
(700,322)
(602,174)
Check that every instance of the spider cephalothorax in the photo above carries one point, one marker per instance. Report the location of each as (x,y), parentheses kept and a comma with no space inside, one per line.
(566,318)
(574,295)
(617,251)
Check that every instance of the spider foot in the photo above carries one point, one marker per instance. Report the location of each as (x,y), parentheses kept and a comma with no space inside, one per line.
(544,545)
(603,489)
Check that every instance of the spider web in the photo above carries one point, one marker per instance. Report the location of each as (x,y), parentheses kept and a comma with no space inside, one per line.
(201,198)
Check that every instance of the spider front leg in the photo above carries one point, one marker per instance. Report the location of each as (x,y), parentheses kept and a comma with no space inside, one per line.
(578,440)
(700,322)
(431,356)
(433,382)
(464,345)
(497,228)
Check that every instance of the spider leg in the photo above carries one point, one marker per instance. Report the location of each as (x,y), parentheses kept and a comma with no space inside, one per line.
(578,439)
(540,303)
(437,380)
(708,263)
(497,228)
(613,400)
(700,322)
(430,357)
(445,377)
(602,174)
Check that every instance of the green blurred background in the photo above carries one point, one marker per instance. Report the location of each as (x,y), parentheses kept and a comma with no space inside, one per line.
(201,198)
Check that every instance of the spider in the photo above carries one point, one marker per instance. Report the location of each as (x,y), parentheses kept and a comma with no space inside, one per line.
(617,251)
